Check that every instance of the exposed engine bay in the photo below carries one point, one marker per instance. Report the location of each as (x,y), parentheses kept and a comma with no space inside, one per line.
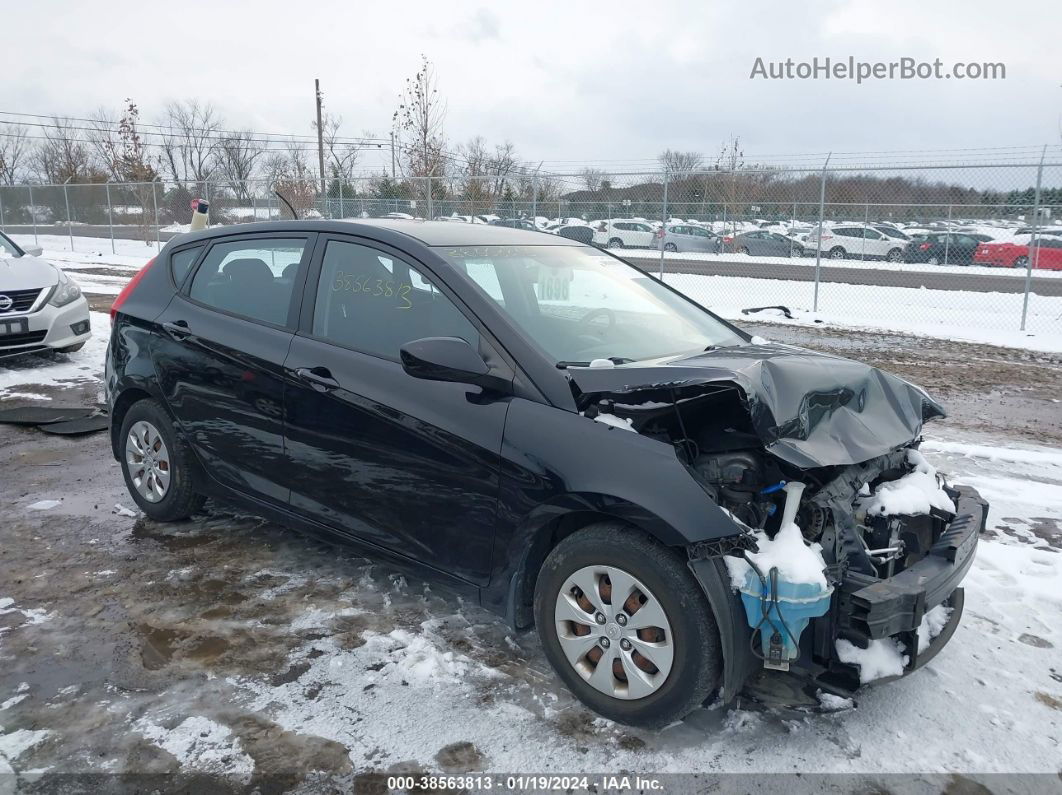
(831,500)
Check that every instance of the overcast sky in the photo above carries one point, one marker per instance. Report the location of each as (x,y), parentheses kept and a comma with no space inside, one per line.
(564,81)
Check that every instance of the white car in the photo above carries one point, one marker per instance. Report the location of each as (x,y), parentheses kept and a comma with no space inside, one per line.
(856,242)
(623,233)
(41,308)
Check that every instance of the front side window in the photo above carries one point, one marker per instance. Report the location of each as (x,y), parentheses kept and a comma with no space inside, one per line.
(253,278)
(578,304)
(373,302)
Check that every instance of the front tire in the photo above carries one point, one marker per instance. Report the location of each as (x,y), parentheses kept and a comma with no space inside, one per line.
(157,465)
(610,596)
(670,247)
(615,242)
(837,253)
(1021,262)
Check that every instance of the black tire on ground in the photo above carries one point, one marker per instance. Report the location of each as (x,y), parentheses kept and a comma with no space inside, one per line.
(894,255)
(837,253)
(615,242)
(670,247)
(182,498)
(743,250)
(1021,262)
(697,665)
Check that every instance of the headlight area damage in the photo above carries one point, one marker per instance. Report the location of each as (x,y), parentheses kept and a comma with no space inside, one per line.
(848,547)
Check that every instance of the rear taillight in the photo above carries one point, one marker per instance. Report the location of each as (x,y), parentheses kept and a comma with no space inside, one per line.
(728,239)
(924,246)
(128,291)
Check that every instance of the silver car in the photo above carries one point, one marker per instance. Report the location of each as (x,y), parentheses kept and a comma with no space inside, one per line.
(41,308)
(686,237)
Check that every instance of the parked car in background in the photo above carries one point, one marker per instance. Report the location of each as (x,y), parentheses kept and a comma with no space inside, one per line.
(856,242)
(623,233)
(763,244)
(41,308)
(942,248)
(685,237)
(515,223)
(891,231)
(1016,255)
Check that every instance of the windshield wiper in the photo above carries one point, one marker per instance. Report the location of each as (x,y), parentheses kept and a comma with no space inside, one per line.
(614,359)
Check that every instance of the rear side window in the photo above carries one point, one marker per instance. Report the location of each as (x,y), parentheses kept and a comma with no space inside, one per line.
(254,278)
(181,263)
(373,302)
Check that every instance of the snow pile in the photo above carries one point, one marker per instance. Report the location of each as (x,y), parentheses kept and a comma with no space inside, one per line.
(42,505)
(880,659)
(933,623)
(614,422)
(203,745)
(832,703)
(797,562)
(914,494)
(414,659)
(16,743)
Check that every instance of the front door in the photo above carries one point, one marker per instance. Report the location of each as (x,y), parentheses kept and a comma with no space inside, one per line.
(403,463)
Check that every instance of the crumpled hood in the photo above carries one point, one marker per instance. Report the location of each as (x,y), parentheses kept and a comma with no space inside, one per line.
(810,409)
(26,273)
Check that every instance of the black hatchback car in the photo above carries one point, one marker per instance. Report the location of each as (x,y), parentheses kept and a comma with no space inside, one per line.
(942,248)
(537,422)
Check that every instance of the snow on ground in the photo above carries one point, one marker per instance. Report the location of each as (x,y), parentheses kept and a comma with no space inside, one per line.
(52,369)
(991,318)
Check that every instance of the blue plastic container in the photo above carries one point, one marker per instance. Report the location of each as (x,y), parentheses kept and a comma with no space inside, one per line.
(797,604)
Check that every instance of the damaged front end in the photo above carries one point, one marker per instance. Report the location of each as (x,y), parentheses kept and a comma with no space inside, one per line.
(848,548)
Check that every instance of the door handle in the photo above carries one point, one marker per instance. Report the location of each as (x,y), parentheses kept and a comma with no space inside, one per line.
(178,330)
(317,377)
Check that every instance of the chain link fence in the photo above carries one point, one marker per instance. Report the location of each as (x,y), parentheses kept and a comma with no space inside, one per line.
(925,248)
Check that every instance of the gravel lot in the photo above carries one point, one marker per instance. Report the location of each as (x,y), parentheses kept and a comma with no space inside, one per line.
(231,648)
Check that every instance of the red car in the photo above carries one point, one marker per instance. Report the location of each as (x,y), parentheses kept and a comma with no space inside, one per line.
(1016,255)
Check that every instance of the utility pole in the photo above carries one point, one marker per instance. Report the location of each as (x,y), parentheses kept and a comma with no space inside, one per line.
(320,134)
(392,155)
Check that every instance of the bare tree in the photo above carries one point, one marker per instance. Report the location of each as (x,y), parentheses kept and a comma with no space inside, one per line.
(132,163)
(14,150)
(235,157)
(292,177)
(63,154)
(681,163)
(190,142)
(592,178)
(341,157)
(418,124)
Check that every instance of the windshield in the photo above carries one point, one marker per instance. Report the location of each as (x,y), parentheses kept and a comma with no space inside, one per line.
(8,248)
(579,304)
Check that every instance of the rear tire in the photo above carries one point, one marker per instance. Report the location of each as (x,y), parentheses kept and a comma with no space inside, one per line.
(687,651)
(615,242)
(894,255)
(743,250)
(1021,262)
(933,261)
(837,253)
(670,247)
(157,465)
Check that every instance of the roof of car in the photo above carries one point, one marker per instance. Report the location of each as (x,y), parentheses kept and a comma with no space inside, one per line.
(429,233)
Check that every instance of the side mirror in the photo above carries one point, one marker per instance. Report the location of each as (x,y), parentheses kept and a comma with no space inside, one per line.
(449,359)
(32,251)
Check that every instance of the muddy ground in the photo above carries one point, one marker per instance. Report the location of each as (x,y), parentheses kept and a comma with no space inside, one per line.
(134,654)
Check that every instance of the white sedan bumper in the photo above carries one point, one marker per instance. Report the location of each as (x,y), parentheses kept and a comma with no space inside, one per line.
(45,327)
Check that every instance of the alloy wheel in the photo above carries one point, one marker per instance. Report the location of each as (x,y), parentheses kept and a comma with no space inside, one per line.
(614,632)
(148,461)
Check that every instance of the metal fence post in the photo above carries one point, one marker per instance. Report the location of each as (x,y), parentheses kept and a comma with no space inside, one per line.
(1,208)
(663,226)
(155,201)
(430,216)
(947,237)
(110,215)
(340,181)
(818,239)
(69,219)
(254,207)
(33,217)
(1033,247)
(534,198)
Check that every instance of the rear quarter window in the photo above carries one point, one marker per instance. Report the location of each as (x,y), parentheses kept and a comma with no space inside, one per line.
(181,262)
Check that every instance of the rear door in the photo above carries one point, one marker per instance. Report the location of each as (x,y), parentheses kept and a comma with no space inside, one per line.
(220,355)
(403,463)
